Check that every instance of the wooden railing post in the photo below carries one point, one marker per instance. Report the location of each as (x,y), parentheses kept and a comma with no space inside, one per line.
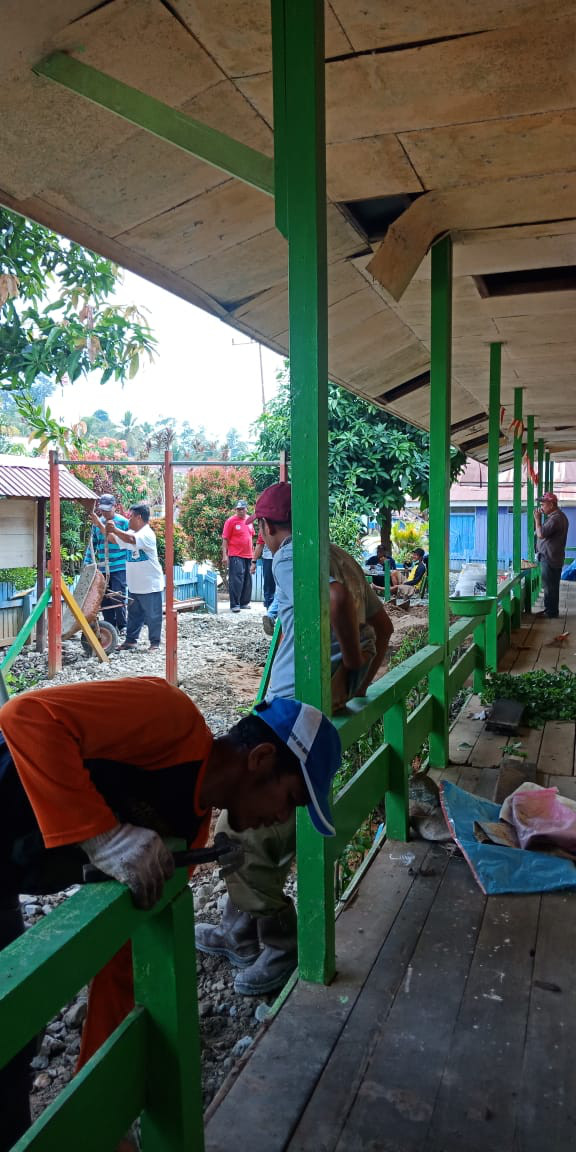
(397,820)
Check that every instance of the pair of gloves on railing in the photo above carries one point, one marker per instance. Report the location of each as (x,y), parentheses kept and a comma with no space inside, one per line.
(135,856)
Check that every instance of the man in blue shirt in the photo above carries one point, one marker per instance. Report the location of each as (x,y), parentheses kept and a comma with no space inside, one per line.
(111,560)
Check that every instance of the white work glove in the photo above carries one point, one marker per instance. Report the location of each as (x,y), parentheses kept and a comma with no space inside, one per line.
(137,857)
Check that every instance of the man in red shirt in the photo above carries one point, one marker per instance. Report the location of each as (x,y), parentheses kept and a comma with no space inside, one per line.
(237,554)
(102,772)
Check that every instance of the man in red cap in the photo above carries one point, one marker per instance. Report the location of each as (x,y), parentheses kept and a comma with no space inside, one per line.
(258,930)
(551,534)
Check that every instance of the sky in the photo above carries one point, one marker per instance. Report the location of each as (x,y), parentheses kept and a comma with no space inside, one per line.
(204,371)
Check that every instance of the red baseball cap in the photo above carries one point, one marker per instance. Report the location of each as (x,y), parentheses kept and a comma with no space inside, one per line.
(275,503)
(550,496)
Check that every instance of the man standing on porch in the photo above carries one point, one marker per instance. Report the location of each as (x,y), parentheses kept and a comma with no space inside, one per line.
(551,549)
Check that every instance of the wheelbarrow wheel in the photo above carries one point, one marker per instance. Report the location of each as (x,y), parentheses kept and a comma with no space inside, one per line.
(107,636)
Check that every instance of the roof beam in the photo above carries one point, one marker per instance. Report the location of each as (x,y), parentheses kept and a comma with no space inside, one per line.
(460,425)
(167,123)
(421,381)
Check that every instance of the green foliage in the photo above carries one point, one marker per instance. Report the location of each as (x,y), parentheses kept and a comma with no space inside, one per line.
(57,319)
(345,528)
(128,483)
(17,682)
(180,542)
(21,578)
(406,539)
(547,695)
(210,497)
(375,459)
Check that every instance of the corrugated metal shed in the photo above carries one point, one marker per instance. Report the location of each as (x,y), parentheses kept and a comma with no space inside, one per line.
(28,478)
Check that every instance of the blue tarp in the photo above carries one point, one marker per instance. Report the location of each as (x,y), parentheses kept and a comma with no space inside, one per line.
(496,869)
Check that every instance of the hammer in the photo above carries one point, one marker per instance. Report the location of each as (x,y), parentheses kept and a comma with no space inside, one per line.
(229,854)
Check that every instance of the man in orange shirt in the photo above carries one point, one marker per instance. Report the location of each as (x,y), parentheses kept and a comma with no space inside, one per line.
(101,772)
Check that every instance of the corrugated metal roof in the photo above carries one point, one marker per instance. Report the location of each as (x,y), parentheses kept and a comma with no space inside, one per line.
(28,478)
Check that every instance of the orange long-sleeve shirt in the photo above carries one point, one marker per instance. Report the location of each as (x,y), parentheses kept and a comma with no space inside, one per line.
(142,722)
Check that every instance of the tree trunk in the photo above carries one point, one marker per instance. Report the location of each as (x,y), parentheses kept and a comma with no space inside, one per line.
(385,528)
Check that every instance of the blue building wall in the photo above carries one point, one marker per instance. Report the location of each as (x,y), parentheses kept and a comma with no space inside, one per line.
(468,532)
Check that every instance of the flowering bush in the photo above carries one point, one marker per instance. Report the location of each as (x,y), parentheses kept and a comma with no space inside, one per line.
(128,484)
(210,497)
(180,542)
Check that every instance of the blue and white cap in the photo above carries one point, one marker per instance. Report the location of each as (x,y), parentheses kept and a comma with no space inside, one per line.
(315,742)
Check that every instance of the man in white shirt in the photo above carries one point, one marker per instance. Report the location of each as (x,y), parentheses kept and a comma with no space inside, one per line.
(144,577)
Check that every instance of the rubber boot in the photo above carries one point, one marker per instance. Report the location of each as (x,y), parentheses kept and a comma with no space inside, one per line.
(279,956)
(236,936)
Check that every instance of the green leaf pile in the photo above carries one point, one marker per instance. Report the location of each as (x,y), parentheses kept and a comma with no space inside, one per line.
(546,695)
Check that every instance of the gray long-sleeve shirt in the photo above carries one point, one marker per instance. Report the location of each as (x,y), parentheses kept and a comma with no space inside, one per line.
(552,544)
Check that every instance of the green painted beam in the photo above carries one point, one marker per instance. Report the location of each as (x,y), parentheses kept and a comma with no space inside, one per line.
(547,479)
(359,797)
(439,514)
(541,488)
(462,669)
(102,1100)
(26,629)
(167,123)
(300,56)
(517,505)
(165,983)
(397,817)
(387,691)
(278,13)
(46,967)
(492,509)
(530,490)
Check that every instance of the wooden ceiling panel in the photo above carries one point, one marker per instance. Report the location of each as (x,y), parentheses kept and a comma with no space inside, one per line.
(482,77)
(267,312)
(353,310)
(493,150)
(242,271)
(28,29)
(239,34)
(377,24)
(205,226)
(361,169)
(143,176)
(141,43)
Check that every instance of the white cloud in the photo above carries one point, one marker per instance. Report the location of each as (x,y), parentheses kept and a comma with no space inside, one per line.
(204,371)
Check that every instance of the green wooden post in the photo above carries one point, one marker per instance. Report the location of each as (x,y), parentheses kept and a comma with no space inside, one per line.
(165,983)
(551,485)
(541,488)
(439,519)
(530,489)
(299,56)
(528,583)
(547,471)
(386,580)
(480,638)
(397,824)
(491,654)
(517,515)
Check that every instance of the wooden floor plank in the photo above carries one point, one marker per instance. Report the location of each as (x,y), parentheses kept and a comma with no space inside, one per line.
(395,1102)
(487,752)
(326,1114)
(557,748)
(547,1116)
(478,1101)
(466,731)
(291,1054)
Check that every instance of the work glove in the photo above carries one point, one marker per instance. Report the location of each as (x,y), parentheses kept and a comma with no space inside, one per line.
(137,857)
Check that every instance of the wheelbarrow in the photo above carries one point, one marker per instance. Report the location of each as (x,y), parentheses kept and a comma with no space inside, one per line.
(88,594)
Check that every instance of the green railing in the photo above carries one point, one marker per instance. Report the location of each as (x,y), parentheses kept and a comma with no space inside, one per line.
(150,1066)
(384,776)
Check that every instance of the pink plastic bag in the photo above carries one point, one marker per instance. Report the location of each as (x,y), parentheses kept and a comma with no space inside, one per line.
(542,821)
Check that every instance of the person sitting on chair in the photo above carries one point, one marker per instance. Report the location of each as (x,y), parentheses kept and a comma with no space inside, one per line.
(381,556)
(412,583)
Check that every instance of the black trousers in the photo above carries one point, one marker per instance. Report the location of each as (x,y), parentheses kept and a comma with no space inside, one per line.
(26,866)
(239,581)
(551,587)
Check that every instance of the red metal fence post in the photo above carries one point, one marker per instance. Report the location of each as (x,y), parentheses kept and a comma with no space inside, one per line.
(55,568)
(171,614)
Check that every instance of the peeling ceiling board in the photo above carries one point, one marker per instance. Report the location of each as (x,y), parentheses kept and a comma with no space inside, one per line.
(468,110)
